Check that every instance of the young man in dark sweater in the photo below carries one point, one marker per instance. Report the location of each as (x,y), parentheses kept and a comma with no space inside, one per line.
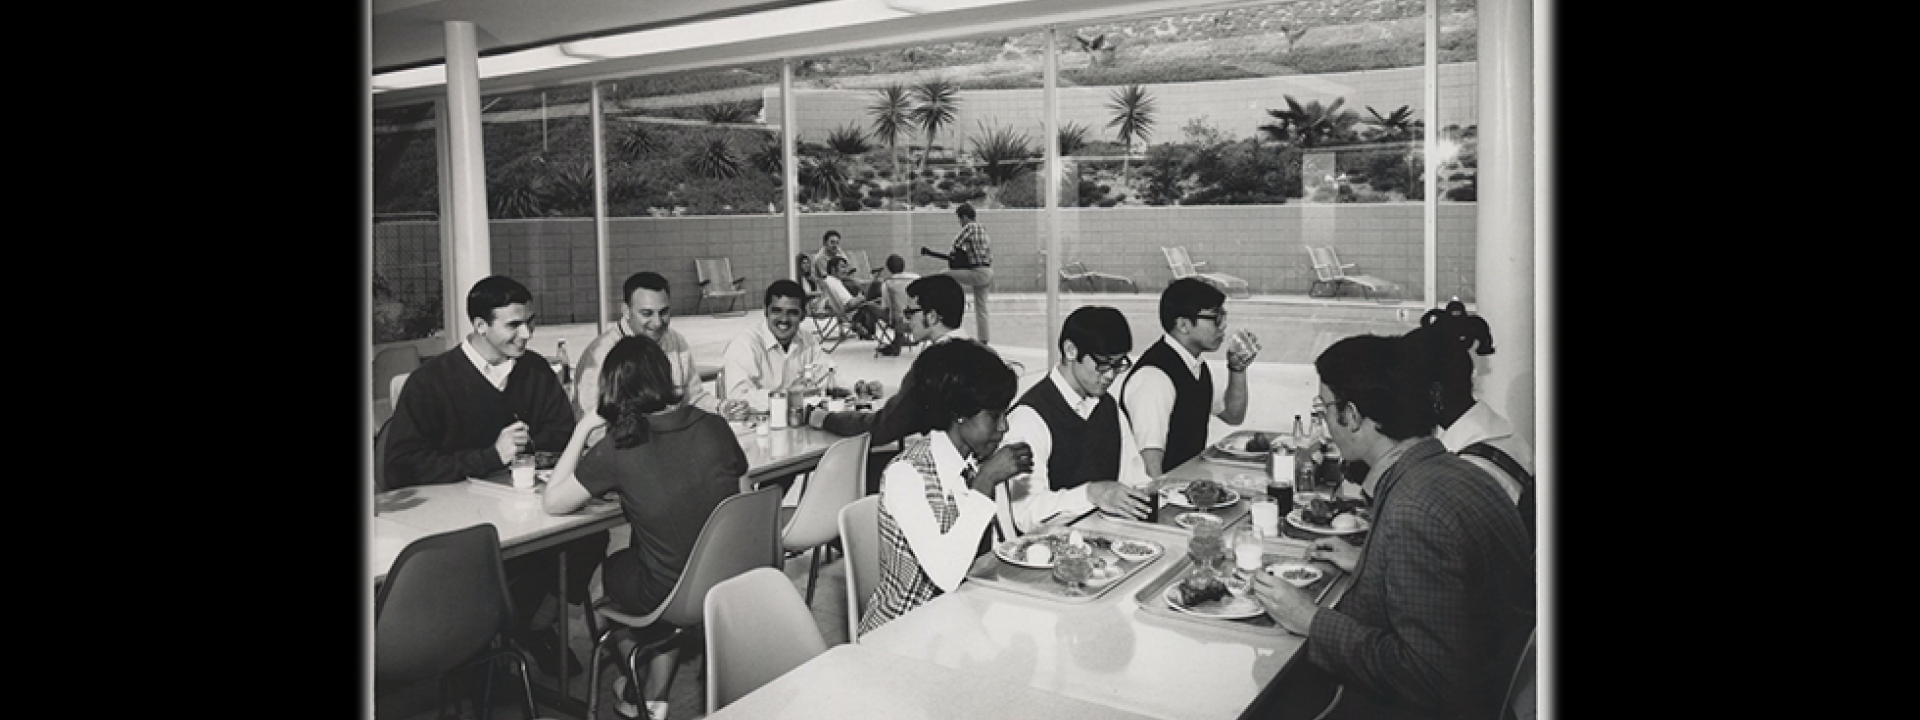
(1083,452)
(466,413)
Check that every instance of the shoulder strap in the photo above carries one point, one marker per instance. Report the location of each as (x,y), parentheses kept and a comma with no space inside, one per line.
(1501,458)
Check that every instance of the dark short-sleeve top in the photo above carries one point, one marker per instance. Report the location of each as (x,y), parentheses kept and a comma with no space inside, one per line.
(667,487)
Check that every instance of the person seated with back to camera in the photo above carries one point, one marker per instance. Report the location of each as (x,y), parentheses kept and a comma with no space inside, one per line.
(940,501)
(670,463)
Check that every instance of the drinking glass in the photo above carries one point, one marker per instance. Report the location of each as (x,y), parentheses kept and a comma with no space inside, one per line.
(1073,564)
(523,471)
(1206,547)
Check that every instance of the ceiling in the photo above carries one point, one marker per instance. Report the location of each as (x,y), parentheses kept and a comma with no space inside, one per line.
(409,33)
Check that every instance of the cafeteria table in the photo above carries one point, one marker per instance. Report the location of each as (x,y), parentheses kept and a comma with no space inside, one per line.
(407,514)
(852,682)
(1107,651)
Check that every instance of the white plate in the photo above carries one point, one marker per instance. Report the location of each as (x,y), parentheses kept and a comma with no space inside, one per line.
(1153,550)
(1232,607)
(1013,552)
(1236,444)
(1312,573)
(1178,496)
(1293,518)
(1188,519)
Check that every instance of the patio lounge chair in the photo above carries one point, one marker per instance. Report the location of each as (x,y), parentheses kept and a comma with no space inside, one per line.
(1075,277)
(1329,271)
(717,281)
(835,322)
(1184,266)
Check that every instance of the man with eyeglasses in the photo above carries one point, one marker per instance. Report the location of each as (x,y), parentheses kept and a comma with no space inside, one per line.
(1083,453)
(1442,600)
(1170,395)
(772,354)
(646,308)
(934,308)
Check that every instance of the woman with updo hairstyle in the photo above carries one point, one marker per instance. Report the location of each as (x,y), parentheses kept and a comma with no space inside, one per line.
(669,463)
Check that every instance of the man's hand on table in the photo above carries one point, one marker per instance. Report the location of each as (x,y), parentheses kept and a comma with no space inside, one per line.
(1114,498)
(1289,606)
(735,410)
(1342,554)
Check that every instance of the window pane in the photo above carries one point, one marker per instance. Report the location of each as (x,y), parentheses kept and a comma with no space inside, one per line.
(406,228)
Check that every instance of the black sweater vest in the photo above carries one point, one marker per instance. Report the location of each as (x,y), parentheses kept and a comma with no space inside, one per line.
(1192,403)
(1083,450)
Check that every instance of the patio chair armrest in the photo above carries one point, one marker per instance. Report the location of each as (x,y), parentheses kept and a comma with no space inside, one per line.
(738,280)
(1198,264)
(704,283)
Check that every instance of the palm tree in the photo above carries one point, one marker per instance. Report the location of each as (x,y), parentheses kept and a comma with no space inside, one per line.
(1311,125)
(936,101)
(1396,126)
(1133,112)
(891,121)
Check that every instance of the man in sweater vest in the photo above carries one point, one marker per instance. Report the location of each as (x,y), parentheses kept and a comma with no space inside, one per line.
(1171,393)
(1083,452)
(467,412)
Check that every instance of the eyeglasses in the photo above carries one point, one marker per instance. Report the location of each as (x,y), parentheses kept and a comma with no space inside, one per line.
(1320,406)
(912,311)
(1115,365)
(1217,318)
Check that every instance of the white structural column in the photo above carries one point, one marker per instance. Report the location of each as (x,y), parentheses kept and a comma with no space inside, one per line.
(1055,171)
(464,254)
(1504,254)
(789,170)
(600,212)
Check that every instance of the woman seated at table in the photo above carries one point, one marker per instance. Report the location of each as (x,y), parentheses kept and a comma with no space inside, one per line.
(670,464)
(937,501)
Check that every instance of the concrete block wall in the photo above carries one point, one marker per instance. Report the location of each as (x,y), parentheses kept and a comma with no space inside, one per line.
(1261,244)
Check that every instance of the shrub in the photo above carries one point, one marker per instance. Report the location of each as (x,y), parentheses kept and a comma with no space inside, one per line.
(1109,202)
(872,202)
(945,185)
(922,196)
(850,204)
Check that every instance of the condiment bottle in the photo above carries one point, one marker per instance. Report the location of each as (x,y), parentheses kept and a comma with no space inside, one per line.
(776,408)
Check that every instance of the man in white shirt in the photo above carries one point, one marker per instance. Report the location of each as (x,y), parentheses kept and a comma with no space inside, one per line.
(771,354)
(1083,449)
(1170,396)
(646,308)
(847,294)
(829,249)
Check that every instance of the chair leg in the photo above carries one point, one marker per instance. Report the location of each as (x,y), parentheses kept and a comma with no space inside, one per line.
(813,572)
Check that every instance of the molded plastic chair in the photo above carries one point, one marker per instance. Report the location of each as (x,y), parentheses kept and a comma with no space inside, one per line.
(396,360)
(717,281)
(394,385)
(757,630)
(1522,702)
(1184,266)
(741,534)
(380,457)
(444,606)
(860,536)
(839,479)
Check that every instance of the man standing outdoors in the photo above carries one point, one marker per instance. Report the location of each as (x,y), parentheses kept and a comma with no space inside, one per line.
(771,354)
(1083,452)
(467,412)
(1442,600)
(1171,393)
(971,263)
(646,308)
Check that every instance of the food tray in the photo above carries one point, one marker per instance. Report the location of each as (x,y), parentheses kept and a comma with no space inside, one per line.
(1213,453)
(992,571)
(1152,598)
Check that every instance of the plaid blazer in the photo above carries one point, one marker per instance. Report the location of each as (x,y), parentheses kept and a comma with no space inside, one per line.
(1442,600)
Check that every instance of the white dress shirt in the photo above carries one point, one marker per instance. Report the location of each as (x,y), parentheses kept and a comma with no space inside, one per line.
(686,376)
(1149,395)
(1042,503)
(755,363)
(495,373)
(1481,423)
(945,557)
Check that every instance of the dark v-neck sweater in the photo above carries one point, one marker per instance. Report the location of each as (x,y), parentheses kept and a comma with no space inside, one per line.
(1084,450)
(1192,403)
(448,416)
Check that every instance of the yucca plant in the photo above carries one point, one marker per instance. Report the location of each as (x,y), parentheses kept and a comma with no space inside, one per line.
(1073,136)
(1395,126)
(1004,155)
(716,161)
(848,141)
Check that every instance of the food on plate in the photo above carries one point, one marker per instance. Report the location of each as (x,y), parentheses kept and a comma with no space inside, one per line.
(1259,443)
(1132,550)
(1196,590)
(1321,511)
(1038,554)
(1345,521)
(1205,492)
(1295,574)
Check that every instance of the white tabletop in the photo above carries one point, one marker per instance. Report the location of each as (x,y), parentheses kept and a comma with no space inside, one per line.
(1107,652)
(407,514)
(850,682)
